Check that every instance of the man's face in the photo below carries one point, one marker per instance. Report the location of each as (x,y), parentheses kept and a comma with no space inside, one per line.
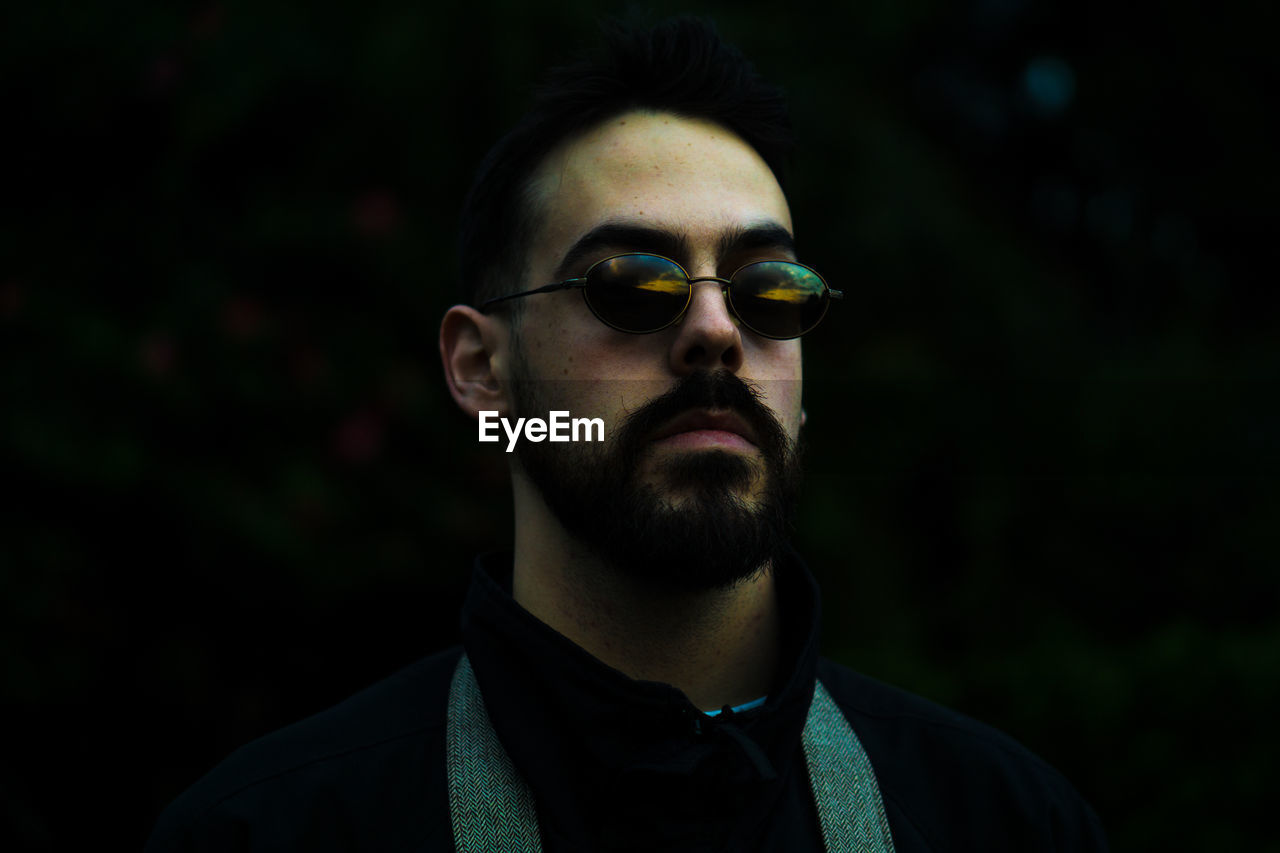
(688,444)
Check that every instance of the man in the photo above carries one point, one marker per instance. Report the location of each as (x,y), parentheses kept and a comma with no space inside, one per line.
(641,673)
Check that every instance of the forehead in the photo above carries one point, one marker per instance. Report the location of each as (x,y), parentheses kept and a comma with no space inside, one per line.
(688,176)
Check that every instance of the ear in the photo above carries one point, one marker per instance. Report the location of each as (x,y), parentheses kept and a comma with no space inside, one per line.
(804,417)
(473,349)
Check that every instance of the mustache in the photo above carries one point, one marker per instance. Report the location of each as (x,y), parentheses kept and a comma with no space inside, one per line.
(701,390)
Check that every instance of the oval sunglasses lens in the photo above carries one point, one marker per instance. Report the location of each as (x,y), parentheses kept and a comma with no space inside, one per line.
(778,299)
(637,293)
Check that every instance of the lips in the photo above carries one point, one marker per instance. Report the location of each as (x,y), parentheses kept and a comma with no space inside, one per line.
(707,429)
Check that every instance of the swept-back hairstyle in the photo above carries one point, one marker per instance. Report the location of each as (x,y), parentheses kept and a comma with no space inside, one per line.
(680,66)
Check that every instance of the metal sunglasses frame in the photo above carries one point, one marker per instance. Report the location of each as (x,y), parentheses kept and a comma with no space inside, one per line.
(726,285)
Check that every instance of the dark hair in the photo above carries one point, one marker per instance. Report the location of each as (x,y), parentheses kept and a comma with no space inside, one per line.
(680,66)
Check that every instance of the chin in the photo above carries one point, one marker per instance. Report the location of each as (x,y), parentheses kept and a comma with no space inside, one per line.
(703,474)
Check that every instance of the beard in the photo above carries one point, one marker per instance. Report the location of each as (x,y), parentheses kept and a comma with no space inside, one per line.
(706,519)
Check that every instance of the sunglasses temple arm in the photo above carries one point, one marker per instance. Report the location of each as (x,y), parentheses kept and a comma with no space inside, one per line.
(548,288)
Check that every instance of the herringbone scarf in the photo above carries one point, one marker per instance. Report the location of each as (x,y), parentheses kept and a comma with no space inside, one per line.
(492,808)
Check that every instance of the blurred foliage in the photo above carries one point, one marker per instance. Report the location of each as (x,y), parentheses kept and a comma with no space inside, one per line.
(1042,437)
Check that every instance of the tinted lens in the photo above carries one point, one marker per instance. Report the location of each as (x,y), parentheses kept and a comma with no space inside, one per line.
(637,293)
(778,299)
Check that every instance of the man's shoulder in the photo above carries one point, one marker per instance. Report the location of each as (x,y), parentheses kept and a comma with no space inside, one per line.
(944,775)
(403,705)
(345,767)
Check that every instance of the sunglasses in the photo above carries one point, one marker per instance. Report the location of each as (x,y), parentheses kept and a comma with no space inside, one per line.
(641,293)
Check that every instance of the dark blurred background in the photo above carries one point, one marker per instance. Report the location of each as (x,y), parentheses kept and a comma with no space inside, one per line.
(1042,445)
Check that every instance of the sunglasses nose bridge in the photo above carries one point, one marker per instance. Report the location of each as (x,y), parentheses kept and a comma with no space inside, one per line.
(723,284)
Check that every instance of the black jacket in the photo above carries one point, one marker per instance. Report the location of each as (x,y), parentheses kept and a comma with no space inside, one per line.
(619,764)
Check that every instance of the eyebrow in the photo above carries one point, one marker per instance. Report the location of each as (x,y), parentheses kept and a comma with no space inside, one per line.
(764,235)
(622,235)
(633,237)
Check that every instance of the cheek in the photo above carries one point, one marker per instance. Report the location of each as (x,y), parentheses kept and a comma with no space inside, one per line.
(551,342)
(780,377)
(788,408)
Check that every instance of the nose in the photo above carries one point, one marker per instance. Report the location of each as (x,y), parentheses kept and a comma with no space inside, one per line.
(707,337)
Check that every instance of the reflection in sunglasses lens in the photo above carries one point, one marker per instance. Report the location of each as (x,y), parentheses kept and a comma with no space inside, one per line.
(778,299)
(637,293)
(645,293)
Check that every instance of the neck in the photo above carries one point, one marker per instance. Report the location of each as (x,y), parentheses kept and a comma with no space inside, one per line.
(719,646)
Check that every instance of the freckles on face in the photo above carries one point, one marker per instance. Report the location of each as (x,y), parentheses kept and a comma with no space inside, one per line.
(689,176)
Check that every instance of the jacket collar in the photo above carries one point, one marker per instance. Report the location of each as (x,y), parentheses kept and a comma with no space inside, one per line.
(619,764)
